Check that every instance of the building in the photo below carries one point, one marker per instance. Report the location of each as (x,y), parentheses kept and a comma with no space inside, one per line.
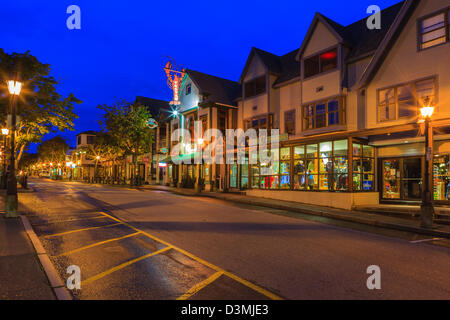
(212,101)
(84,168)
(149,164)
(347,104)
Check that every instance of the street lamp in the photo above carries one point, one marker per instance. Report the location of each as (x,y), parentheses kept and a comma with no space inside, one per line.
(5,133)
(427,210)
(14,88)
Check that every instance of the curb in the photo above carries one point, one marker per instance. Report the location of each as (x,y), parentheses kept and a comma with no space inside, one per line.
(55,281)
(356,219)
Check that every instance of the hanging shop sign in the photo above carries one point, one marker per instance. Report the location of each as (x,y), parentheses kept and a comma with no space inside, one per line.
(163,150)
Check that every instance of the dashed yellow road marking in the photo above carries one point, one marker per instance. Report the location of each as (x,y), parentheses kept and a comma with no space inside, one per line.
(123,265)
(79,230)
(200,286)
(96,244)
(246,283)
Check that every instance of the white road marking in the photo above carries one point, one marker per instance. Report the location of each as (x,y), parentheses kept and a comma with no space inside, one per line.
(425,240)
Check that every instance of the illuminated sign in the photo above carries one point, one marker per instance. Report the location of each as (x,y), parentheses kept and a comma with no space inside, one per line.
(175,77)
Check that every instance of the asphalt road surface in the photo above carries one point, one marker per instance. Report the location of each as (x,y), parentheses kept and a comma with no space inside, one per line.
(140,244)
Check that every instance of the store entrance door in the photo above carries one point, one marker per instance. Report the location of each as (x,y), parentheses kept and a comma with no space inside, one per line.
(402,178)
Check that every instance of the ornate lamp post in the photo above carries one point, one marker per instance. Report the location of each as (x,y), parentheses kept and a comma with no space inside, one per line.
(427,210)
(5,132)
(14,88)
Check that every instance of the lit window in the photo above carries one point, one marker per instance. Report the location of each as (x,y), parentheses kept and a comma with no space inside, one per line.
(403,101)
(322,114)
(434,30)
(320,63)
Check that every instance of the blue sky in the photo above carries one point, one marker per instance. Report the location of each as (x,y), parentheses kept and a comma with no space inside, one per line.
(119,51)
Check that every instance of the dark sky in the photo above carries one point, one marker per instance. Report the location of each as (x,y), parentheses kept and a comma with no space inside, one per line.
(119,51)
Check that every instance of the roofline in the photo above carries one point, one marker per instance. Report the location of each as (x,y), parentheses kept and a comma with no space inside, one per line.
(317,17)
(383,50)
(287,82)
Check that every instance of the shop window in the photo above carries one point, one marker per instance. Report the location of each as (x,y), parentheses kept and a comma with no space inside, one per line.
(323,114)
(269,171)
(363,167)
(441,177)
(285,168)
(434,30)
(404,101)
(320,63)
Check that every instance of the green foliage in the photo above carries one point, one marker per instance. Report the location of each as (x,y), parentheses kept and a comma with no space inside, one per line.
(41,108)
(127,125)
(53,150)
(104,146)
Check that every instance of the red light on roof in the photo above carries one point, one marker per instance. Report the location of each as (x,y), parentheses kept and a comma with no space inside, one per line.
(328,55)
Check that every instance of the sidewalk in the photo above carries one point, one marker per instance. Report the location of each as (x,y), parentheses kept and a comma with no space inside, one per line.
(21,274)
(368,218)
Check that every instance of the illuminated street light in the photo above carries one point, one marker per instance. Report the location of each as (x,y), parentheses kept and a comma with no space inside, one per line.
(175,113)
(14,87)
(426,209)
(5,131)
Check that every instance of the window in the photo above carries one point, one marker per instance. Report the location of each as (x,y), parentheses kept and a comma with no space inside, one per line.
(188,89)
(434,30)
(403,101)
(323,114)
(255,87)
(322,166)
(90,139)
(269,171)
(363,167)
(289,122)
(79,140)
(259,123)
(285,168)
(320,63)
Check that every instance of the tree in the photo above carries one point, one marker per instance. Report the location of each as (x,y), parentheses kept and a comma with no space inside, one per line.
(53,150)
(127,124)
(41,108)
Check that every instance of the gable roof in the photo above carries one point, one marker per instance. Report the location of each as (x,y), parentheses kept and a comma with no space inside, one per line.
(286,67)
(155,106)
(360,40)
(217,89)
(388,41)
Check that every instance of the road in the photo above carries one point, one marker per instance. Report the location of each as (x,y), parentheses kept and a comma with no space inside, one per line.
(141,244)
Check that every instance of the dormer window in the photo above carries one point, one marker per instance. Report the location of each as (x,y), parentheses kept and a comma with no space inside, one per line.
(255,87)
(320,63)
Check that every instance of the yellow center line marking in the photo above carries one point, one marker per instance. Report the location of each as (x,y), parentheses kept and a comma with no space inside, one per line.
(96,244)
(79,230)
(200,286)
(246,283)
(123,265)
